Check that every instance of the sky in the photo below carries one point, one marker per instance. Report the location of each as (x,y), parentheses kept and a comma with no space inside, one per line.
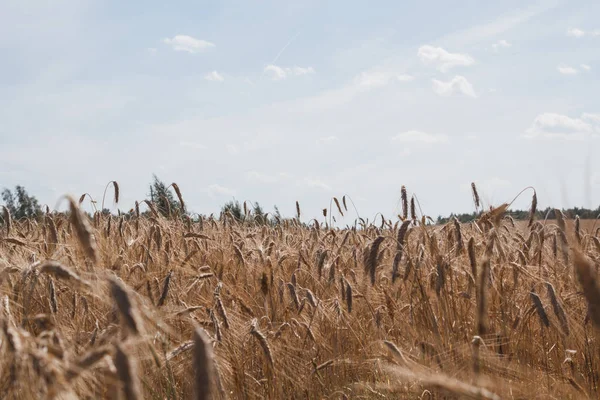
(280,101)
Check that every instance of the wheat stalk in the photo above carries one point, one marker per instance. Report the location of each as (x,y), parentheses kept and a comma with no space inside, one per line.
(82,229)
(586,272)
(262,340)
(404,198)
(165,290)
(7,219)
(203,365)
(125,306)
(127,374)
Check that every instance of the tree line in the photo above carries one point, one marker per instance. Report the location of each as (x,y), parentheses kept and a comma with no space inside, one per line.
(548,213)
(22,205)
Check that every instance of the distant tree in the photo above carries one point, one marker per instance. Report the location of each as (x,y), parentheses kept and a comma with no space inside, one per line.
(256,215)
(277,214)
(163,198)
(548,213)
(234,208)
(20,203)
(259,215)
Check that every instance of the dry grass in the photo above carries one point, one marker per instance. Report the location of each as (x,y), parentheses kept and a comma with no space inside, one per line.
(166,309)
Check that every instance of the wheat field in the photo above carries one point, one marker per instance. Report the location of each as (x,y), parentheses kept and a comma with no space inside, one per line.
(178,308)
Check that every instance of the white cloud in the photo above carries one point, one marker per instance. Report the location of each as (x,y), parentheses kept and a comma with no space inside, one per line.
(152,50)
(301,71)
(575,32)
(363,82)
(585,67)
(405,152)
(593,118)
(458,84)
(375,78)
(405,78)
(557,126)
(566,70)
(442,59)
(278,73)
(498,26)
(496,182)
(214,76)
(255,176)
(327,139)
(233,149)
(372,79)
(578,33)
(501,44)
(315,183)
(192,145)
(188,44)
(414,136)
(487,186)
(218,190)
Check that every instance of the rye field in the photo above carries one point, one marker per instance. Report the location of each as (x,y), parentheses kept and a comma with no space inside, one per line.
(172,307)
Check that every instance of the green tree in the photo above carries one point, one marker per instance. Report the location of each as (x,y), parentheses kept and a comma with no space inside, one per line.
(277,217)
(163,198)
(259,215)
(20,203)
(234,208)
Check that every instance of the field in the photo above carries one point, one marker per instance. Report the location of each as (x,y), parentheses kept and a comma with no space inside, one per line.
(170,308)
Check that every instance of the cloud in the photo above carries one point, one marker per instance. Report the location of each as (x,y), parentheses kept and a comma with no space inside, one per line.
(575,32)
(501,44)
(443,60)
(566,70)
(327,139)
(585,67)
(315,184)
(458,84)
(488,186)
(300,71)
(557,126)
(278,73)
(152,50)
(275,72)
(414,136)
(192,145)
(255,176)
(188,44)
(233,149)
(365,81)
(405,78)
(372,79)
(579,33)
(218,190)
(214,76)
(496,182)
(593,118)
(498,26)
(375,78)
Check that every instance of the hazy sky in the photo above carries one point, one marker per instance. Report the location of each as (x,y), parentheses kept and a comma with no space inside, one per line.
(278,101)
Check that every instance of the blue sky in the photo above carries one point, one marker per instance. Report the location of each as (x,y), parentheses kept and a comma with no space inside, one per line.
(283,101)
